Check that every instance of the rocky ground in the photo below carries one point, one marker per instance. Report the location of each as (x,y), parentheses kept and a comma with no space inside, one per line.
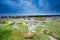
(39,28)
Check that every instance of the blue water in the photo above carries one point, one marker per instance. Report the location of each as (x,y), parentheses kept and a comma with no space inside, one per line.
(29,7)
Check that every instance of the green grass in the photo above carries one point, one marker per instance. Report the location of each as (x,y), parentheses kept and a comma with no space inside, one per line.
(7,32)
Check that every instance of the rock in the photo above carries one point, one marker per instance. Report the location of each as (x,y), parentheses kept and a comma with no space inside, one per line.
(28,35)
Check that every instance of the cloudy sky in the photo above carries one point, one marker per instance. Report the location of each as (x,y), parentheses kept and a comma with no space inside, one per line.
(29,7)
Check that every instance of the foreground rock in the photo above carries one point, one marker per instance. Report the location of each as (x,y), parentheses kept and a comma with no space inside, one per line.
(28,36)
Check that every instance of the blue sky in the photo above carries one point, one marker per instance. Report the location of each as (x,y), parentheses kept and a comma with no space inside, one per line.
(29,7)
